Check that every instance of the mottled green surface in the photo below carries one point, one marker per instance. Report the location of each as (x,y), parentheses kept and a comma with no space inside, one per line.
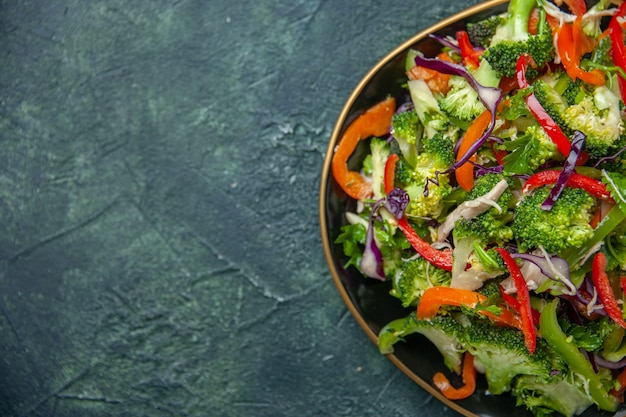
(159,172)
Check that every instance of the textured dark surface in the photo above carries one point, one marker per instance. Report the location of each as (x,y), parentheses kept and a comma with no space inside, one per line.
(159,171)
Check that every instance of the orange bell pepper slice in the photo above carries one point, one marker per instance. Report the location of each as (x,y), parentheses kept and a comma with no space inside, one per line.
(572,44)
(374,122)
(468,374)
(435,297)
(465,173)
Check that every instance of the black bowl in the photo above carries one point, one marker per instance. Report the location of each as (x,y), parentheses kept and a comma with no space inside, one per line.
(369,300)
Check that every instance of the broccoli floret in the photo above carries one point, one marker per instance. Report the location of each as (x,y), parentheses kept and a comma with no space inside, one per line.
(529,151)
(597,115)
(404,171)
(489,259)
(407,130)
(502,354)
(565,225)
(461,101)
(442,331)
(406,125)
(512,39)
(481,32)
(492,226)
(574,91)
(541,396)
(437,155)
(414,277)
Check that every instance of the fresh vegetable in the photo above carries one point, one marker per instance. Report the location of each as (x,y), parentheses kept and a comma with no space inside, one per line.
(374,122)
(575,359)
(523,298)
(512,39)
(469,381)
(494,210)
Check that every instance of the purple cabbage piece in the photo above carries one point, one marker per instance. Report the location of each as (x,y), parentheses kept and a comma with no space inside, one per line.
(560,264)
(371,264)
(578,142)
(396,202)
(446,42)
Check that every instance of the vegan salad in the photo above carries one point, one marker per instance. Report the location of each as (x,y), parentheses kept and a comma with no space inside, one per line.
(493,201)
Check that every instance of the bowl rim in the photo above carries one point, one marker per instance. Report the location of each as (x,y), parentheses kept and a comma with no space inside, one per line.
(325,177)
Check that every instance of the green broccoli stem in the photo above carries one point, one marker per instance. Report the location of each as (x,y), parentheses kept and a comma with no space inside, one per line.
(551,331)
(518,15)
(613,218)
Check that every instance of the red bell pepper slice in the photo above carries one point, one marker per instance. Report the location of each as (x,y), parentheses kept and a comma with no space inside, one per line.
(390,172)
(469,54)
(594,187)
(547,123)
(523,297)
(374,122)
(618,49)
(468,373)
(605,291)
(514,304)
(439,258)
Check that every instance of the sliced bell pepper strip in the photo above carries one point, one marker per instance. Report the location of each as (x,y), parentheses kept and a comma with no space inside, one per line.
(547,123)
(439,258)
(593,186)
(605,291)
(390,172)
(435,297)
(557,339)
(465,173)
(618,49)
(572,44)
(514,304)
(469,54)
(523,298)
(468,374)
(374,122)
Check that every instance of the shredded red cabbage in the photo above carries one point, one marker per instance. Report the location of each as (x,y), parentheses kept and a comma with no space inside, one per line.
(578,142)
(371,264)
(554,267)
(396,202)
(489,96)
(608,364)
(446,42)
(610,158)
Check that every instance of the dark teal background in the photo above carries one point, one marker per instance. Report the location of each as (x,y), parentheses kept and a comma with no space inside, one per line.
(159,240)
